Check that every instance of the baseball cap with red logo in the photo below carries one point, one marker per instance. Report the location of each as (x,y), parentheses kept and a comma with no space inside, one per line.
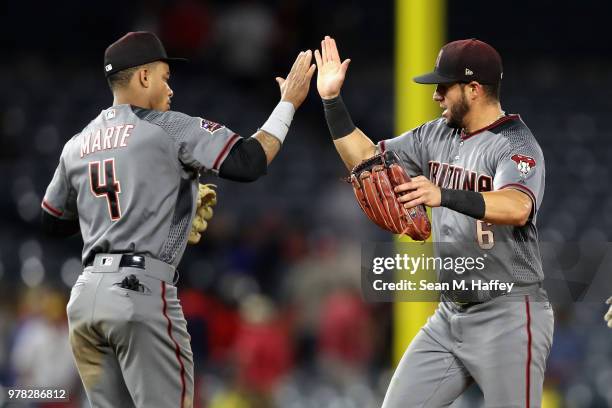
(465,61)
(133,49)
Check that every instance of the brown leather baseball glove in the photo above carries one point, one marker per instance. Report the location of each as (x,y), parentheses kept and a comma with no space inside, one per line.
(207,198)
(373,182)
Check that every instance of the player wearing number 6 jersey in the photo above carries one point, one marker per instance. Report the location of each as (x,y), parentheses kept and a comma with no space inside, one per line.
(129,182)
(482,172)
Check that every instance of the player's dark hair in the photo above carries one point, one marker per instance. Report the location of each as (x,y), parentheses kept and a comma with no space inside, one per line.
(493,91)
(121,79)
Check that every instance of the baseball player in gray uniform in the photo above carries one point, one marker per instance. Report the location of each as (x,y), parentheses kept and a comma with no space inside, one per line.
(129,182)
(482,172)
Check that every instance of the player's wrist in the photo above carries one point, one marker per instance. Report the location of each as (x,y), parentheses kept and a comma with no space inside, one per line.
(338,119)
(330,96)
(470,203)
(279,121)
(291,101)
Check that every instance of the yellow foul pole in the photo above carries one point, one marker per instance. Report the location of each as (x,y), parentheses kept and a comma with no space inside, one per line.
(420,32)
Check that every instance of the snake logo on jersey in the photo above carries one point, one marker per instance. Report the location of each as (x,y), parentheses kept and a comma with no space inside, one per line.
(209,125)
(524,164)
(446,175)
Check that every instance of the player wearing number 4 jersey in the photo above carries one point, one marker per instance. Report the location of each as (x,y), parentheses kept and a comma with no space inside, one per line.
(129,182)
(482,172)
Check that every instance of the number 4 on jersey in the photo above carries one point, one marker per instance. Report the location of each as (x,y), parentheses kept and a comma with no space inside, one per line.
(108,186)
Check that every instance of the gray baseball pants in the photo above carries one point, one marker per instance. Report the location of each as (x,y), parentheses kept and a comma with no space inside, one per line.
(502,344)
(131,347)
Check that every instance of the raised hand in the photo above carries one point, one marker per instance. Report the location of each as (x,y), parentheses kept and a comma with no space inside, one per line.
(295,88)
(331,71)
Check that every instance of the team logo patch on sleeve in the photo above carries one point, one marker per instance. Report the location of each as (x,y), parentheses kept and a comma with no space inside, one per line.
(210,126)
(524,164)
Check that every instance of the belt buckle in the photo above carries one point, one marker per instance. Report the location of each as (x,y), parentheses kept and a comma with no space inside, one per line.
(133,261)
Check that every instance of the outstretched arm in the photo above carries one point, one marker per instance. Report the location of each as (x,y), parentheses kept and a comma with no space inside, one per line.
(354,148)
(352,144)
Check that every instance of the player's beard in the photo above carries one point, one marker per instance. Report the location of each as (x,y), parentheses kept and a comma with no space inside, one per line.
(457,113)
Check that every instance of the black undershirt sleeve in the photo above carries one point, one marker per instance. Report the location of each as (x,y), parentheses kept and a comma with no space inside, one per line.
(56,227)
(245,162)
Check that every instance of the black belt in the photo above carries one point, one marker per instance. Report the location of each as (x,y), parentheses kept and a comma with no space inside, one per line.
(468,304)
(127,261)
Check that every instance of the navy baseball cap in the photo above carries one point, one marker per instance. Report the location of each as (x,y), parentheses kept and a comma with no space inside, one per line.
(465,61)
(133,49)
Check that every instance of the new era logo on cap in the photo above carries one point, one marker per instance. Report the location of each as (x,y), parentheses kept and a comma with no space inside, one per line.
(468,72)
(108,67)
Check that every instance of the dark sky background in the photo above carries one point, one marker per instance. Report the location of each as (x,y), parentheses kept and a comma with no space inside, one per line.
(71,30)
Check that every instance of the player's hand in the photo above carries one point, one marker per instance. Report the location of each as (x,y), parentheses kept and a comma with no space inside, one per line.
(419,191)
(331,72)
(608,316)
(295,88)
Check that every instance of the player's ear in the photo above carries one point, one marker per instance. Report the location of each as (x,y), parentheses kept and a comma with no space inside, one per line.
(474,89)
(144,76)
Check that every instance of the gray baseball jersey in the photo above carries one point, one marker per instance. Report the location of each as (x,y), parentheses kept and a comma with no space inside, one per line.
(502,155)
(503,343)
(131,177)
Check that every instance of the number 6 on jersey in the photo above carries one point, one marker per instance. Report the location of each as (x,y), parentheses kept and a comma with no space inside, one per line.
(485,236)
(109,188)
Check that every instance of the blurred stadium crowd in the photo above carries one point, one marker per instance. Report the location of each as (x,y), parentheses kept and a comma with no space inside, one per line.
(272,294)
